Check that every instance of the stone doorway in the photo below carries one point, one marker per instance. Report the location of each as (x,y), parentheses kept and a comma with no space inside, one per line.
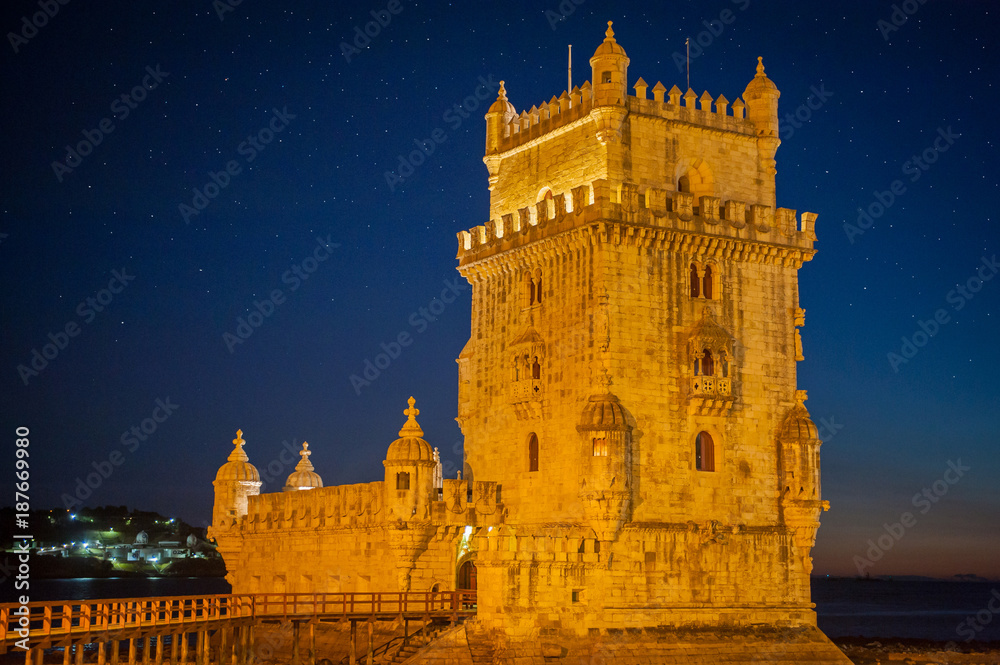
(467,576)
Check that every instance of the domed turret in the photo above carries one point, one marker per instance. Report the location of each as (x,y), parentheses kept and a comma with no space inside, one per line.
(606,484)
(236,480)
(761,97)
(501,113)
(409,471)
(799,443)
(609,71)
(304,477)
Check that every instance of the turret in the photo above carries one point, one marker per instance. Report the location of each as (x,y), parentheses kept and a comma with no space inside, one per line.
(500,114)
(609,71)
(606,483)
(798,453)
(409,472)
(304,477)
(761,97)
(236,480)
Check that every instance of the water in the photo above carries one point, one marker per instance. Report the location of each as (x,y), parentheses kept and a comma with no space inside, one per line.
(845,607)
(124,587)
(928,610)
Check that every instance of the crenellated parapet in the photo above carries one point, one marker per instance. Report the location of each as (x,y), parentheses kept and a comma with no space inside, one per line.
(751,231)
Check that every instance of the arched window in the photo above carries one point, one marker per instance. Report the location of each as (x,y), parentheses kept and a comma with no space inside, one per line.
(600,447)
(403,480)
(684,184)
(533,452)
(704,452)
(538,285)
(695,281)
(606,77)
(536,369)
(707,366)
(706,288)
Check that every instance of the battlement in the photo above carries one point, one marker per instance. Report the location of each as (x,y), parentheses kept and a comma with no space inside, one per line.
(577,104)
(652,208)
(362,505)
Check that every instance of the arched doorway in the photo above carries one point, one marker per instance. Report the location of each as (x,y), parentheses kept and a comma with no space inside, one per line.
(467,576)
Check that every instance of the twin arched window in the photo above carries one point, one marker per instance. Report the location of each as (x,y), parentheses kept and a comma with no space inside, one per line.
(702,281)
(708,364)
(704,452)
(532,288)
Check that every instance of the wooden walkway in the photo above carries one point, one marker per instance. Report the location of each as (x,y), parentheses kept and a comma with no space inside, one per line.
(145,622)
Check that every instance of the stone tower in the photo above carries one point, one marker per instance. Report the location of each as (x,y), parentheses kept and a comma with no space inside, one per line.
(630,377)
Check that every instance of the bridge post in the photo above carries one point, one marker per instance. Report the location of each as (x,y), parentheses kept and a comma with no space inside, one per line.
(295,643)
(223,646)
(312,643)
(131,650)
(354,642)
(159,649)
(174,646)
(184,650)
(78,653)
(67,655)
(145,651)
(102,656)
(115,648)
(371,642)
(199,653)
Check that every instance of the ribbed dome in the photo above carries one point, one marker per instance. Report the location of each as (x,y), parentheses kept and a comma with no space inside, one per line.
(603,413)
(410,447)
(609,46)
(760,84)
(501,105)
(304,477)
(798,427)
(238,468)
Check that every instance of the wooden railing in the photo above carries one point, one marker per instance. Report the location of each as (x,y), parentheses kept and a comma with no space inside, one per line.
(63,622)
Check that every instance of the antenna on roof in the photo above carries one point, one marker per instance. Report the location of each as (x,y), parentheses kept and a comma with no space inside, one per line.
(687,42)
(569,71)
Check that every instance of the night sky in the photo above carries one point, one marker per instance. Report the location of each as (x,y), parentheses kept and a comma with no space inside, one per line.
(288,135)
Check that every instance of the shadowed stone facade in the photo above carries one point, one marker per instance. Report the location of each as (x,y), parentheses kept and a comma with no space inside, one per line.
(641,472)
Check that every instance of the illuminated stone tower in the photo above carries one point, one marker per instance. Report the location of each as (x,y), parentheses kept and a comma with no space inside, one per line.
(630,378)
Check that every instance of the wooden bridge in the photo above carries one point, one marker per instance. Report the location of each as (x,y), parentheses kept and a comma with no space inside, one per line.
(220,626)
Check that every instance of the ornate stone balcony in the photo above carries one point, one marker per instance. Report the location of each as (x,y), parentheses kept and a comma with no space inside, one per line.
(711,386)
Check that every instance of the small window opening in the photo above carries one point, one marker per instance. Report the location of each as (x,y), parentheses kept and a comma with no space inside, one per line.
(403,480)
(533,452)
(600,447)
(704,452)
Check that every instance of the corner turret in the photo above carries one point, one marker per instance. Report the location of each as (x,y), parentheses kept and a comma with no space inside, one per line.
(236,480)
(761,97)
(609,67)
(409,471)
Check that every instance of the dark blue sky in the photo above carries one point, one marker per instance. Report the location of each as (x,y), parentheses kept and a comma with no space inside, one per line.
(308,134)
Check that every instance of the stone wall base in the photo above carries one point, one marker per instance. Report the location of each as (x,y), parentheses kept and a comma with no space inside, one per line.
(475,644)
